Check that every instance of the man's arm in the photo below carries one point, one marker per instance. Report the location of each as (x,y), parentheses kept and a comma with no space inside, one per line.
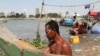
(47,50)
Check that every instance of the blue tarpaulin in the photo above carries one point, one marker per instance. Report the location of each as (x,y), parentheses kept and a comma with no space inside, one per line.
(69,21)
(96,29)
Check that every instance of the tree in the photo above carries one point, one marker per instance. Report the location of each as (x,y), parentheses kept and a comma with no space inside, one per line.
(17,15)
(31,15)
(54,15)
(38,15)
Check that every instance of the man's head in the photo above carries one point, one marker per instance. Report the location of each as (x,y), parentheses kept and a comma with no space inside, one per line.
(51,28)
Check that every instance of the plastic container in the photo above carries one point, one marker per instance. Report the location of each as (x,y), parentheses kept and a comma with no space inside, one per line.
(74,40)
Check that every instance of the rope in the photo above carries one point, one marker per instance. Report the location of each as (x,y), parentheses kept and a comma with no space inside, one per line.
(70,5)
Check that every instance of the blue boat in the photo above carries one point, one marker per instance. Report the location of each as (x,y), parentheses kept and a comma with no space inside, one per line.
(66,22)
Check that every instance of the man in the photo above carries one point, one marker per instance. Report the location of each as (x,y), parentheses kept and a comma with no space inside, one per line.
(57,45)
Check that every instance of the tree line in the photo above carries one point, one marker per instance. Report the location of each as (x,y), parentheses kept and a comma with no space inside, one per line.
(18,15)
(52,15)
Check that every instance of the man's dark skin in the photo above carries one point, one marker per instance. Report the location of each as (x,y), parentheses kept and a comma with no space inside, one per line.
(57,44)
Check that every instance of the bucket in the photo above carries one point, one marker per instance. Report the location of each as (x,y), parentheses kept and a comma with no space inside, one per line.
(74,40)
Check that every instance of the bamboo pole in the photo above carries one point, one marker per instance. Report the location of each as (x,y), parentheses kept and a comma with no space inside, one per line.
(38,26)
(90,10)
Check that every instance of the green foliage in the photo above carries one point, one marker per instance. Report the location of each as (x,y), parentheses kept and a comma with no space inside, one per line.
(31,15)
(17,15)
(38,15)
(38,44)
(54,15)
(2,16)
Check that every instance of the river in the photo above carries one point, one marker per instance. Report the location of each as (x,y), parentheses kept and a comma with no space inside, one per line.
(26,29)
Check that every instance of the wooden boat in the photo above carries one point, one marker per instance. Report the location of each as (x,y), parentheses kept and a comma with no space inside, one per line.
(15,47)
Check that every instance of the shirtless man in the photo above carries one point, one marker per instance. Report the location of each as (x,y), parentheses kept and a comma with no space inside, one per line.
(57,45)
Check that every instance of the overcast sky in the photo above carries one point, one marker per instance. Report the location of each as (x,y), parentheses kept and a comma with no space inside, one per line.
(29,6)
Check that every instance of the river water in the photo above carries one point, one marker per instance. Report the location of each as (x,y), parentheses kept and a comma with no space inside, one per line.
(26,29)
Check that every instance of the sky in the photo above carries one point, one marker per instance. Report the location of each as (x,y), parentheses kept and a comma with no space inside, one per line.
(29,6)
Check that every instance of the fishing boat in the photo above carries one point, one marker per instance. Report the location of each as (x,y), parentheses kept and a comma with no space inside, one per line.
(66,22)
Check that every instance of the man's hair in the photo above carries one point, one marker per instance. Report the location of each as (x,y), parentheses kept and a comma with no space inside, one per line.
(53,25)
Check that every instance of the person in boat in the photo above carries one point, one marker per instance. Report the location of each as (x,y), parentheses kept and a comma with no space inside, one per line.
(79,26)
(57,45)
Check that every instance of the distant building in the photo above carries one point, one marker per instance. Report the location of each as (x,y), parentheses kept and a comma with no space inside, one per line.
(12,13)
(62,14)
(36,11)
(27,16)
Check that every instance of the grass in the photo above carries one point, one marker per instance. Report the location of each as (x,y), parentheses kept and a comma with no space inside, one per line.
(39,44)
